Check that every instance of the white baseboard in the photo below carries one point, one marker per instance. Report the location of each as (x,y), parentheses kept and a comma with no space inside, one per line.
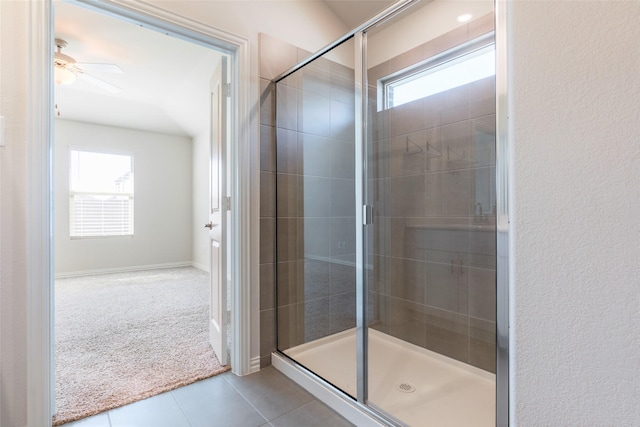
(123,269)
(199,266)
(254,365)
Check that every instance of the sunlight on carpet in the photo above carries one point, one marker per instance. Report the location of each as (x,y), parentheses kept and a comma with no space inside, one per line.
(124,337)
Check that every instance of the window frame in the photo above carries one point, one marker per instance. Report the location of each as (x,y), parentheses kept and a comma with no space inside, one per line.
(129,195)
(385,84)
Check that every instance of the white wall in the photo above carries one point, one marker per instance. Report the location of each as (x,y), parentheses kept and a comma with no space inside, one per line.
(419,25)
(162,200)
(575,131)
(13,207)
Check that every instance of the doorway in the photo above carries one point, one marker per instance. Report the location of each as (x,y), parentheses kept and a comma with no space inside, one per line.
(41,298)
(117,236)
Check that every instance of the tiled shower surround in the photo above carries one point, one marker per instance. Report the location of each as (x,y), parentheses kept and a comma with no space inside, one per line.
(307,198)
(432,185)
(315,208)
(431,265)
(315,205)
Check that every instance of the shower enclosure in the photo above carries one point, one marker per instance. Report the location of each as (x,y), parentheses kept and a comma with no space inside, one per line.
(386,215)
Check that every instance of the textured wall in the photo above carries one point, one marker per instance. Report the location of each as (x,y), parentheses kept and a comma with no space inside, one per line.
(575,132)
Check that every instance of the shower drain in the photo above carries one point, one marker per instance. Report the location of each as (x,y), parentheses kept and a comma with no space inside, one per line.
(405,387)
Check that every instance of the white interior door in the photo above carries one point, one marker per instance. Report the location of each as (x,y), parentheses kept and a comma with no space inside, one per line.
(218,213)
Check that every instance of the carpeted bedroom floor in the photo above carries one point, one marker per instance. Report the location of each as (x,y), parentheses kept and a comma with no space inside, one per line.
(127,336)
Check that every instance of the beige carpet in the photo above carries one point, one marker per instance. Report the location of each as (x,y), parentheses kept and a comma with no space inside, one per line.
(127,336)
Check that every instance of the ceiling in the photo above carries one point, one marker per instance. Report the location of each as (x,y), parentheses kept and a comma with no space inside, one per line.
(356,12)
(164,83)
(165,79)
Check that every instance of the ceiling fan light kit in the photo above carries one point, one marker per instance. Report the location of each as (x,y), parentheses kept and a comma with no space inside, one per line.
(66,69)
(62,76)
(62,64)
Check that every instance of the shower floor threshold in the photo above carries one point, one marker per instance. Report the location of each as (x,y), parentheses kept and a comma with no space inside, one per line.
(414,385)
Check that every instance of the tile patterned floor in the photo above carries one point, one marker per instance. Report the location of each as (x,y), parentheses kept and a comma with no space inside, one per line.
(266,398)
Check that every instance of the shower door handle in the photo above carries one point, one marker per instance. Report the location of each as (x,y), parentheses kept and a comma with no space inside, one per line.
(367,214)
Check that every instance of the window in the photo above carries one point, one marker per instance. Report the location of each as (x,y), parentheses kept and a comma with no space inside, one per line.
(455,68)
(101,194)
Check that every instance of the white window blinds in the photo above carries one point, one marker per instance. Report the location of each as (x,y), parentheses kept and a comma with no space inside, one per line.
(101,194)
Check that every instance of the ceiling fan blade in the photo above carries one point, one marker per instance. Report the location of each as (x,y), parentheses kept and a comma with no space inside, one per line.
(101,83)
(94,67)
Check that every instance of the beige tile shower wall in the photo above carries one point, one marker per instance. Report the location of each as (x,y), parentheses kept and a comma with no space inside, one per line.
(315,188)
(432,160)
(307,195)
(275,57)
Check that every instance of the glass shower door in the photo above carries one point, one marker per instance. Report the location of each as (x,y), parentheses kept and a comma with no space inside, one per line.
(430,251)
(315,210)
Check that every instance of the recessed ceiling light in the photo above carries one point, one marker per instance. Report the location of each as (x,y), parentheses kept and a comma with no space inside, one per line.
(465,17)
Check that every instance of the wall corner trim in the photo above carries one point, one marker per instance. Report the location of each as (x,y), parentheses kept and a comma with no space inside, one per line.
(40,402)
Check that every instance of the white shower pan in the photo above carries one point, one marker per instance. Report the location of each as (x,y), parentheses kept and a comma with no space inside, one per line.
(415,386)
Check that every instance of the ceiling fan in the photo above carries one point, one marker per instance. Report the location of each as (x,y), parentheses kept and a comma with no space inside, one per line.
(66,69)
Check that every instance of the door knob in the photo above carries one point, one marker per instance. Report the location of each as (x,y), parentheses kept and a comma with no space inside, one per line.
(210,225)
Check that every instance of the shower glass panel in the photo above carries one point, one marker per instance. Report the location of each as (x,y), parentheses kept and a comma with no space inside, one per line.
(315,209)
(430,255)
